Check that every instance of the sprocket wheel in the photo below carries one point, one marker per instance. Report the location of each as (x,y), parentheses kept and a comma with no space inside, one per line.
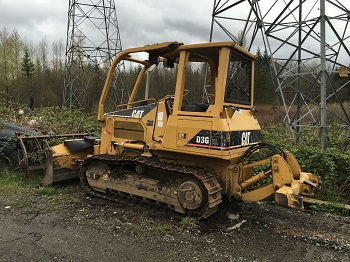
(191,195)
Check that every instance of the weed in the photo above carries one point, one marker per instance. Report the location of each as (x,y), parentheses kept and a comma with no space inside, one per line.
(164,228)
(188,223)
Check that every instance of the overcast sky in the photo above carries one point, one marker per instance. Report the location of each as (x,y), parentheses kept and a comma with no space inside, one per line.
(140,22)
(144,22)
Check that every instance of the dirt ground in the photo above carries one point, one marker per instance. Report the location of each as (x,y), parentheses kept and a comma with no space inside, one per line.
(72,226)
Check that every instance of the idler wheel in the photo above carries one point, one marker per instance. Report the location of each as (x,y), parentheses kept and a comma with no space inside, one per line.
(97,170)
(191,195)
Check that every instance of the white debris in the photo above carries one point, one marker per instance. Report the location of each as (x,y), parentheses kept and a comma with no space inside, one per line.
(236,226)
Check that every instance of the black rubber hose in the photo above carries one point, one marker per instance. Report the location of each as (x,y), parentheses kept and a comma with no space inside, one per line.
(253,148)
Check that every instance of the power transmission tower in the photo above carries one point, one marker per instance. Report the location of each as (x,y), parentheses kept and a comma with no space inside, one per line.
(93,40)
(309,43)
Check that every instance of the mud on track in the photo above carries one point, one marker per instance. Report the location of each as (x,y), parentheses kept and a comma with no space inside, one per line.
(76,227)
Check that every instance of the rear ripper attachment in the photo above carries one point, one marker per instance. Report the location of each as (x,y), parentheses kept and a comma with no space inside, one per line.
(285,179)
(187,190)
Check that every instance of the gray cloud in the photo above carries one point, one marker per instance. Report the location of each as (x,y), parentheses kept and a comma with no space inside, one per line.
(154,21)
(35,19)
(140,22)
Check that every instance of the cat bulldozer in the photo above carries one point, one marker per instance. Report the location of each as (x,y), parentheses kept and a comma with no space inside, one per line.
(194,140)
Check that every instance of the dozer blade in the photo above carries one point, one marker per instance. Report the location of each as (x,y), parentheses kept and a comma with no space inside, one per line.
(58,163)
(63,161)
(56,174)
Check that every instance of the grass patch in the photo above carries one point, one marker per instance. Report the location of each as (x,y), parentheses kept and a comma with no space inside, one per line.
(46,190)
(23,203)
(15,182)
(164,228)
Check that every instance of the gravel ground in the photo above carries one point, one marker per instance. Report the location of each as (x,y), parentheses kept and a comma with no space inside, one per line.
(72,226)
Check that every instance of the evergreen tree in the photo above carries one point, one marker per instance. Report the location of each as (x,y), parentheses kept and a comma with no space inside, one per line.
(264,90)
(27,65)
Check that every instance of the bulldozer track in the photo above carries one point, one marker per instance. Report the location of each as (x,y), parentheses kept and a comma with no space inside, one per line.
(205,175)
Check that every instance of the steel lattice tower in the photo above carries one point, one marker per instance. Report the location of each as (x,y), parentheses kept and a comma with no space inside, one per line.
(309,42)
(93,40)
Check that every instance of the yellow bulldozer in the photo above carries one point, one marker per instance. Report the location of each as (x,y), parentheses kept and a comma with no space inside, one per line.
(184,149)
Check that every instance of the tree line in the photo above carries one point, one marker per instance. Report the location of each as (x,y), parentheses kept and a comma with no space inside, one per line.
(35,74)
(31,72)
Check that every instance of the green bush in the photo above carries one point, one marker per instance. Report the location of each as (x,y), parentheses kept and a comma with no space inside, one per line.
(65,120)
(51,120)
(331,164)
